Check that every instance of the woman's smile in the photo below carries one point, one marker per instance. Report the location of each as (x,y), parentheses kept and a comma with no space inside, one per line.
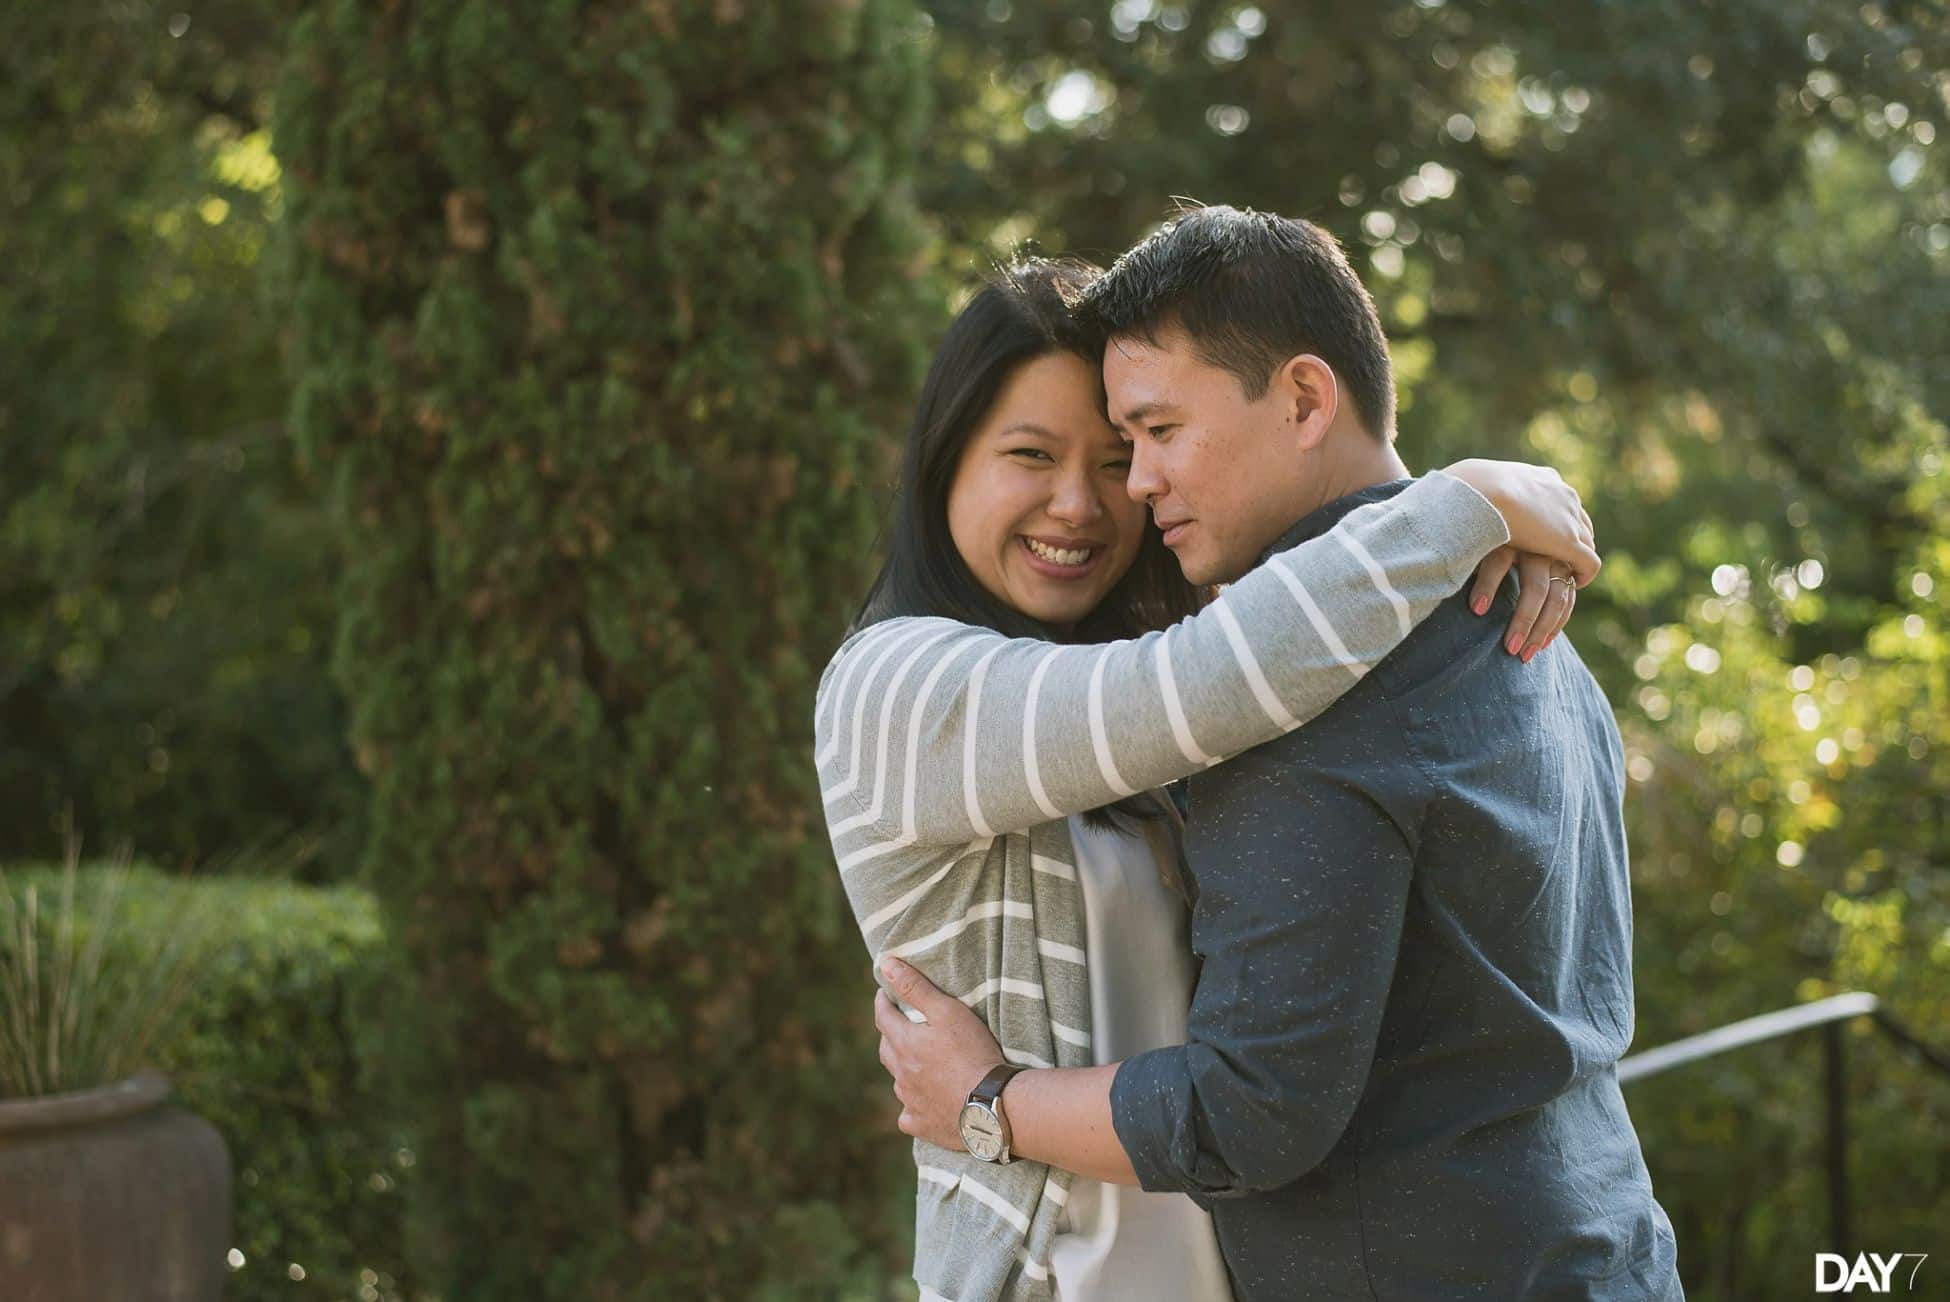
(1060,559)
(1038,508)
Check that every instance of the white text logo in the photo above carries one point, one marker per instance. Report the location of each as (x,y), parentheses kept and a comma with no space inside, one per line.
(1834,1273)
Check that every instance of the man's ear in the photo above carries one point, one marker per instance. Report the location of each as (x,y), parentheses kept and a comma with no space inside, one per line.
(1311,394)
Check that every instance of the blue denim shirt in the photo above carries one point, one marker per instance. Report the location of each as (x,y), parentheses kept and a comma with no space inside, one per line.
(1415,924)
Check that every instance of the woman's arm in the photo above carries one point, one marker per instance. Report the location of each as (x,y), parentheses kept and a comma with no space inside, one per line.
(932,732)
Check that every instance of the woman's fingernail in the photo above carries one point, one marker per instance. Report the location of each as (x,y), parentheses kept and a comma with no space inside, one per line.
(1513,644)
(1482,604)
(1526,655)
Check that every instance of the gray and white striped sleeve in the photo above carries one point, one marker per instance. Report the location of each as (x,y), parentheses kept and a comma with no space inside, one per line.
(934,732)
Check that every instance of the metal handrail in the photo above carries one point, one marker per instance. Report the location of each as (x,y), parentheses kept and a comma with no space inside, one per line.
(1735,1035)
(1827,1015)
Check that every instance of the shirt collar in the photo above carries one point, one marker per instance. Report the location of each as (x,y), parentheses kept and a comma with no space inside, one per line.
(1322,518)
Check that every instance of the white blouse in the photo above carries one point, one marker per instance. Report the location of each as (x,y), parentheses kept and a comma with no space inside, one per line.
(1118,1243)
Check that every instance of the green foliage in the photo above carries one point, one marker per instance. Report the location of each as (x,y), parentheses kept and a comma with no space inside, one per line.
(1695,256)
(1735,213)
(539,369)
(603,316)
(267,1051)
(164,564)
(1789,833)
(83,1000)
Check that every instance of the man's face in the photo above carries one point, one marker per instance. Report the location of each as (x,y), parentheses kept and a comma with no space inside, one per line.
(1222,473)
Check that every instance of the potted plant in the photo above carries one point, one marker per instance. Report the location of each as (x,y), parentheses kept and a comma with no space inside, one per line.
(107,1191)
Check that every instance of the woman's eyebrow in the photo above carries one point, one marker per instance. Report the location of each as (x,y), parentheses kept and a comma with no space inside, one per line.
(1028,427)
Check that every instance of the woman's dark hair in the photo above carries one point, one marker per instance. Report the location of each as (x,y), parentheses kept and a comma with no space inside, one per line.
(1023,313)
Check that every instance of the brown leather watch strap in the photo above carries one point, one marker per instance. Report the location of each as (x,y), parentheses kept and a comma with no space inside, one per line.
(990,1090)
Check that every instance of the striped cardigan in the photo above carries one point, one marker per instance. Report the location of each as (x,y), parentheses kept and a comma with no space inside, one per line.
(950,756)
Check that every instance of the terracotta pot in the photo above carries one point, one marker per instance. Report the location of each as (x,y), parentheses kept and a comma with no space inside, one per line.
(109,1195)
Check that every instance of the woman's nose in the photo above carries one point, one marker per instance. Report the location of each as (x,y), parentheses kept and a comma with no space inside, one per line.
(1076,501)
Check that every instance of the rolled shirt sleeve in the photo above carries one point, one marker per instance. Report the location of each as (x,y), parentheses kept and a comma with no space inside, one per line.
(1304,854)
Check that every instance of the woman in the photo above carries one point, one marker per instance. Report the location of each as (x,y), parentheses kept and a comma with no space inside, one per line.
(992,798)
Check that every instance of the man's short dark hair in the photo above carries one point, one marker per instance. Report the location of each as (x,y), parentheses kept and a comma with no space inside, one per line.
(1251,290)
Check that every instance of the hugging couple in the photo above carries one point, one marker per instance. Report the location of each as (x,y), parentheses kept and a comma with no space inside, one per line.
(1265,943)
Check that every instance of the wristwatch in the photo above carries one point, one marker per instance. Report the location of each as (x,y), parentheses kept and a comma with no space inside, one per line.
(984,1128)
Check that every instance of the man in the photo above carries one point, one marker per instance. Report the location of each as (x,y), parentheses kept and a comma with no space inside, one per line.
(1413,914)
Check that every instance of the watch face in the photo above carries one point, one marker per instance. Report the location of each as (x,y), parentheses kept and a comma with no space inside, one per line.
(981,1132)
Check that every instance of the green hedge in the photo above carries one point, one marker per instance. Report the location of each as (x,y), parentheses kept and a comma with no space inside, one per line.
(263,1048)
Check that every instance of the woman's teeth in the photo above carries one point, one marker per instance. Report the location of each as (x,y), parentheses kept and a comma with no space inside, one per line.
(1056,556)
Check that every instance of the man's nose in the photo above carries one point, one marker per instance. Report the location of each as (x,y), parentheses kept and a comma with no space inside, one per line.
(1145,482)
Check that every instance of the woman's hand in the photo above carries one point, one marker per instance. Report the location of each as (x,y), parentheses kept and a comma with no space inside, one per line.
(1544,514)
(1544,602)
(1551,544)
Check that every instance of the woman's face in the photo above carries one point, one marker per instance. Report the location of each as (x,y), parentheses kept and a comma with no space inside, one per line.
(1037,508)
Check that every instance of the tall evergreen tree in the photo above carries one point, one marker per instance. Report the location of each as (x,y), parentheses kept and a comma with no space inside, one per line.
(601,311)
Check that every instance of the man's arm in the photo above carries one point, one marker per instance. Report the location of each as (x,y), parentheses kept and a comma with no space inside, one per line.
(1300,917)
(1060,1117)
(1305,857)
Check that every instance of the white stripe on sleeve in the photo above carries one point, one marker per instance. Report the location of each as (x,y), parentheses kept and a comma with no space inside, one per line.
(1181,730)
(1062,953)
(1318,618)
(854,659)
(976,913)
(1380,577)
(955,856)
(995,1202)
(878,850)
(1002,986)
(912,787)
(880,751)
(1249,666)
(970,730)
(1099,738)
(860,709)
(1054,867)
(1029,767)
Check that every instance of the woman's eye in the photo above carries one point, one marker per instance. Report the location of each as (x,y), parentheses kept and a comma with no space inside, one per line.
(1029,452)
(1122,465)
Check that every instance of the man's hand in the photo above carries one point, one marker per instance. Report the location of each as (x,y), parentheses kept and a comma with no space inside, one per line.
(934,1063)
